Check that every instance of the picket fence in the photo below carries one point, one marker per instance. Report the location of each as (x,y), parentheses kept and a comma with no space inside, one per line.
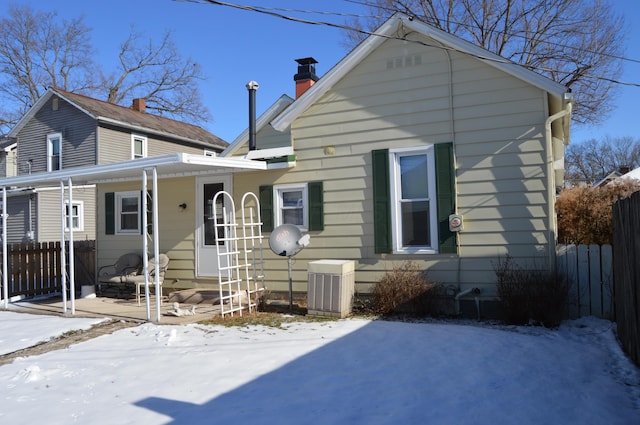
(589,269)
(35,269)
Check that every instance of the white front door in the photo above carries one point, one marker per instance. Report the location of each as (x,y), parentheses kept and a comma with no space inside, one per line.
(206,252)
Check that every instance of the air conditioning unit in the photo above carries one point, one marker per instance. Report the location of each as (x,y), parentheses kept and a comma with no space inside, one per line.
(331,288)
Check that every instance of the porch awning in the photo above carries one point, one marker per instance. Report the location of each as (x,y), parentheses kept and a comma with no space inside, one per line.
(172,165)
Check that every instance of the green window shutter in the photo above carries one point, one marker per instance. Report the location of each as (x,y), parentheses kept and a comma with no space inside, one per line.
(149,212)
(446,200)
(316,206)
(109,213)
(381,202)
(266,207)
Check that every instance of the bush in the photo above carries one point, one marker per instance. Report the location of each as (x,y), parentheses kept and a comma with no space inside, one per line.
(585,213)
(406,290)
(531,295)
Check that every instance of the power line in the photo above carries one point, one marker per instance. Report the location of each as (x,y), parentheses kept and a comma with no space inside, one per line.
(273,11)
(469,27)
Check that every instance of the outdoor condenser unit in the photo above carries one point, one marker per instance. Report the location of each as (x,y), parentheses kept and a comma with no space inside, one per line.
(331,288)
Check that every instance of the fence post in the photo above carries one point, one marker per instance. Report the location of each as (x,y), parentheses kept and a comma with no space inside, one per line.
(583,281)
(595,281)
(606,261)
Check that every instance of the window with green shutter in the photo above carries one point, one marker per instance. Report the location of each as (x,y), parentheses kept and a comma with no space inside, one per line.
(122,212)
(300,204)
(413,195)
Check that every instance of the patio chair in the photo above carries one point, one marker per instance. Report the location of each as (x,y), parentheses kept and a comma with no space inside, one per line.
(117,275)
(138,280)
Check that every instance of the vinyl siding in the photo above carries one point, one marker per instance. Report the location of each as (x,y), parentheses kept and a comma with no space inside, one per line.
(497,125)
(176,227)
(49,213)
(115,145)
(21,210)
(78,137)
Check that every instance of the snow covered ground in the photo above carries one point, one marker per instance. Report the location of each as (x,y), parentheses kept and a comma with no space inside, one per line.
(350,371)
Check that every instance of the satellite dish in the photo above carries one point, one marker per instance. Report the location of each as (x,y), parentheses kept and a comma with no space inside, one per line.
(286,240)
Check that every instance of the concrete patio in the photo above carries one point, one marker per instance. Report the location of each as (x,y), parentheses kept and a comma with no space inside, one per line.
(124,309)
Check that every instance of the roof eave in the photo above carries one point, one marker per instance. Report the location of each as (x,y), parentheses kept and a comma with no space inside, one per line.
(30,113)
(148,130)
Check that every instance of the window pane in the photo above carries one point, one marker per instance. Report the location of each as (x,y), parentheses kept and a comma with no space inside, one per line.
(292,216)
(129,221)
(137,147)
(415,223)
(413,177)
(292,207)
(55,162)
(55,147)
(292,199)
(209,228)
(130,204)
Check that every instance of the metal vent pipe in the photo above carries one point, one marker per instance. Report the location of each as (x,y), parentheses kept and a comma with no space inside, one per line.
(252,86)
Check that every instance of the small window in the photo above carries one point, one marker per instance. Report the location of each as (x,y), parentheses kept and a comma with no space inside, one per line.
(138,146)
(291,205)
(210,153)
(77,216)
(54,152)
(128,212)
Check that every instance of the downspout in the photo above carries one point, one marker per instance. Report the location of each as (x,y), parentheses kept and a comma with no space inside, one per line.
(551,190)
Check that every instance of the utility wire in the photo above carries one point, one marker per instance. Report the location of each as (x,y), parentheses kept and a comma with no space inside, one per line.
(274,12)
(470,27)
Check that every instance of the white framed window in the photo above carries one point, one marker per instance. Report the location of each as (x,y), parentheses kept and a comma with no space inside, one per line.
(413,200)
(210,153)
(127,212)
(77,216)
(54,151)
(138,146)
(291,203)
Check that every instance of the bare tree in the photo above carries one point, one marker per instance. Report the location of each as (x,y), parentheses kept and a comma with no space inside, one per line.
(577,43)
(158,74)
(39,50)
(592,160)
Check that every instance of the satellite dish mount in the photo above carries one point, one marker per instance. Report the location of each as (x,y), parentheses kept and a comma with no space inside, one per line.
(287,240)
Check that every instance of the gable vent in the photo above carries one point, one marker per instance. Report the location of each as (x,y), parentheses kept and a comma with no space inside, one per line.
(404,61)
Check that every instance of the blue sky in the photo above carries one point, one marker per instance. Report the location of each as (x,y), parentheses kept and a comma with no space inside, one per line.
(236,46)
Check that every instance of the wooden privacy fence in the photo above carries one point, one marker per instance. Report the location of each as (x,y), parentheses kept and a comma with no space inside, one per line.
(626,242)
(590,273)
(35,268)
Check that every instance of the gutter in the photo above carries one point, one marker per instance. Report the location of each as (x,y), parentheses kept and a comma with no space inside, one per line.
(551,190)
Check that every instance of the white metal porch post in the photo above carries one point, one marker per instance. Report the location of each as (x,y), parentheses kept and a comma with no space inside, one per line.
(156,244)
(72,269)
(145,244)
(67,221)
(63,260)
(145,236)
(5,279)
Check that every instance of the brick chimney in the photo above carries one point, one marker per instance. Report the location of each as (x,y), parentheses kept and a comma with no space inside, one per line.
(306,75)
(139,104)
